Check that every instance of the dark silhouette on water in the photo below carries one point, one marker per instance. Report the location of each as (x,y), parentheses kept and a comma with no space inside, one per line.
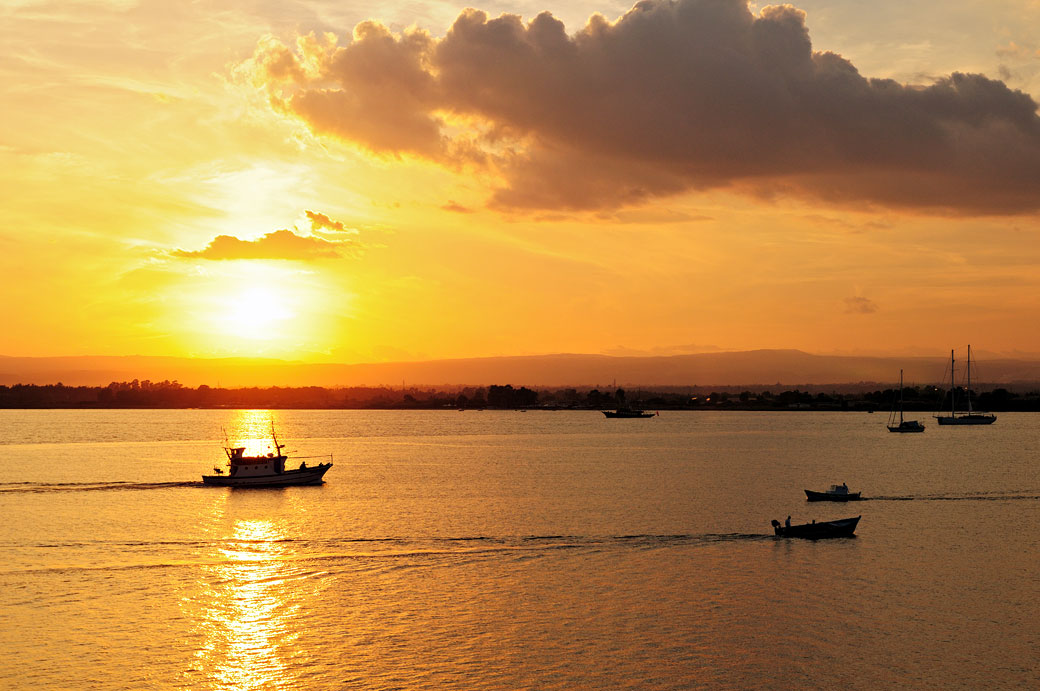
(904,426)
(844,527)
(970,417)
(835,493)
(627,413)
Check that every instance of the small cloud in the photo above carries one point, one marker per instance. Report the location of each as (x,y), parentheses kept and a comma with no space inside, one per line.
(858,305)
(456,207)
(323,222)
(280,244)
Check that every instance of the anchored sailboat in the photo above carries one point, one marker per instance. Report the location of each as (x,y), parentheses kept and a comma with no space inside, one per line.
(966,418)
(904,425)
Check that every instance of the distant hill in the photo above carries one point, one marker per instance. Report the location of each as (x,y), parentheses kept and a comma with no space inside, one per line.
(756,369)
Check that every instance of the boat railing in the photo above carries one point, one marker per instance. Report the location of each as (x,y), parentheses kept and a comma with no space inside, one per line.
(305,458)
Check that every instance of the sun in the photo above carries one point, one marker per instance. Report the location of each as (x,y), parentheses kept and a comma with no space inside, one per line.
(254,309)
(258,312)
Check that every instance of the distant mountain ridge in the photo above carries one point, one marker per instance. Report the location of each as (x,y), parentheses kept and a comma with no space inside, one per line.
(755,369)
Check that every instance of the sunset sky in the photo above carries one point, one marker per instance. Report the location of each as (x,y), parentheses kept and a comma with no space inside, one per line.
(376,181)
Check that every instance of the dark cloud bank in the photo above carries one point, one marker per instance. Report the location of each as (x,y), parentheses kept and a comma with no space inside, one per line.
(676,95)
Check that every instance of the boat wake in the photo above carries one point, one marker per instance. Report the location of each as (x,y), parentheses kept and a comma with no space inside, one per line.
(37,487)
(325,555)
(984,496)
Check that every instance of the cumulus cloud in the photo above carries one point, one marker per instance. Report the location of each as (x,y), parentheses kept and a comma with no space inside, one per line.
(280,244)
(676,95)
(860,305)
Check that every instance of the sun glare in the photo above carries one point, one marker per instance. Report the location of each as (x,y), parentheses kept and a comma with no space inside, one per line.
(256,312)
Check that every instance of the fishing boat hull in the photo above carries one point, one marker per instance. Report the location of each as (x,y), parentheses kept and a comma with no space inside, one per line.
(967,420)
(831,496)
(845,527)
(288,478)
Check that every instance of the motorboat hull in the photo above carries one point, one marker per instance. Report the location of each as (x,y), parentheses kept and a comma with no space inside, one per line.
(831,496)
(845,527)
(288,478)
(626,413)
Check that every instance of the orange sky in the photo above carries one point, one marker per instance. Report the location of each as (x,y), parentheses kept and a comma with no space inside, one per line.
(351,182)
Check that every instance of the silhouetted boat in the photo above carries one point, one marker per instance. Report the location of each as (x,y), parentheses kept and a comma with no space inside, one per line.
(844,527)
(904,426)
(627,412)
(265,471)
(970,417)
(835,493)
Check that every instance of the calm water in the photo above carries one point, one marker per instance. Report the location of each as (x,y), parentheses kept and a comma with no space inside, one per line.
(507,550)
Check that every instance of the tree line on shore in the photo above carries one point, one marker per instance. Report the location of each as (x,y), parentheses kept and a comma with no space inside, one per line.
(171,394)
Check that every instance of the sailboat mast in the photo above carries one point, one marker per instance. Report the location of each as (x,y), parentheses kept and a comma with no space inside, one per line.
(969,380)
(953,387)
(900,398)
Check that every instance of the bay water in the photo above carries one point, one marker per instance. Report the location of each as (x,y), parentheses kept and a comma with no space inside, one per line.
(516,550)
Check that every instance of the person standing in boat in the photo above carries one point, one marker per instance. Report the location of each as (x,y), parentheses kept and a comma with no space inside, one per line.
(787,523)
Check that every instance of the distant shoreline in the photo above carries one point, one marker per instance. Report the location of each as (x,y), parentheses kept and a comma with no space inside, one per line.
(166,395)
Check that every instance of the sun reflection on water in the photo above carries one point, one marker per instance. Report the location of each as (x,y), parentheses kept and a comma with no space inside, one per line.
(248,611)
(252,429)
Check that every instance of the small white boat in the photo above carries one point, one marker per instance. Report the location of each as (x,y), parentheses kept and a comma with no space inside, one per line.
(266,471)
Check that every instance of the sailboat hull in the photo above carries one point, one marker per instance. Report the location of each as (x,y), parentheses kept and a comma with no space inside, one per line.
(907,427)
(967,420)
(904,426)
(970,417)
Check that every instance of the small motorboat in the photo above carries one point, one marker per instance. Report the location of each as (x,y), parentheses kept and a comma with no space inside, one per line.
(627,413)
(835,493)
(266,471)
(844,527)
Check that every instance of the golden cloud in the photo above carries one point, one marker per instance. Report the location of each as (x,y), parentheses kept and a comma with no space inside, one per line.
(280,244)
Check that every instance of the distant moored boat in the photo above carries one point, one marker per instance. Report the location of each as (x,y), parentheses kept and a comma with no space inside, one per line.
(904,426)
(627,412)
(967,418)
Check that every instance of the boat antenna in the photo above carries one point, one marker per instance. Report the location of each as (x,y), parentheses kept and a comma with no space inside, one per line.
(277,446)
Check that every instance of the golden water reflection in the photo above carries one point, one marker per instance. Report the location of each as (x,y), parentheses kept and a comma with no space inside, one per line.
(252,429)
(248,611)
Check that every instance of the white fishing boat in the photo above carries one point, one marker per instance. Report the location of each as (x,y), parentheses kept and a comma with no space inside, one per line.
(969,417)
(270,470)
(904,426)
